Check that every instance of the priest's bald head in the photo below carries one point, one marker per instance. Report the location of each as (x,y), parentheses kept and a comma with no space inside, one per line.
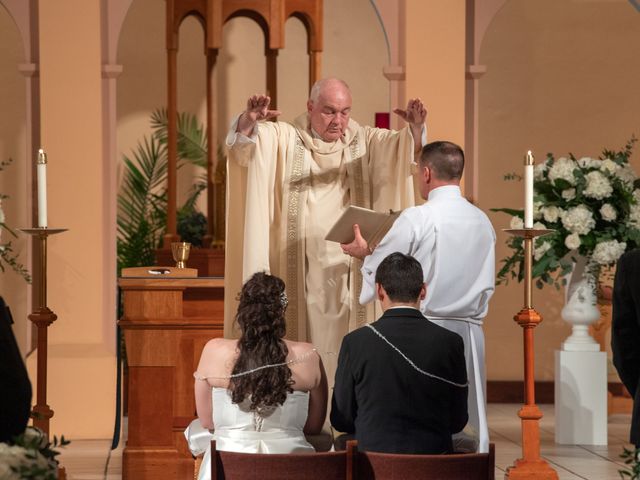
(441,163)
(329,108)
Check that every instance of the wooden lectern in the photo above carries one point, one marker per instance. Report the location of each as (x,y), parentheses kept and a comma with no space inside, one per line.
(166,322)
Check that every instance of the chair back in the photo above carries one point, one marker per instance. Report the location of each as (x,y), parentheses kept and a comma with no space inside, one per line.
(298,466)
(388,466)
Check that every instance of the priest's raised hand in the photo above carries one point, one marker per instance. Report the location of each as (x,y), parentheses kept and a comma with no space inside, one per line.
(415,115)
(257,109)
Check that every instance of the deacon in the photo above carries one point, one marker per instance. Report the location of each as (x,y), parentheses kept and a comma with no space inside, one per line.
(454,242)
(290,182)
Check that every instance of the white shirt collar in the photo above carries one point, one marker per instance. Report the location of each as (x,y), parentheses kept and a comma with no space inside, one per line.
(446,191)
(402,306)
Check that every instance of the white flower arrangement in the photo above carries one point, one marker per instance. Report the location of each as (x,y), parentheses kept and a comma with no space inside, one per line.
(608,252)
(562,169)
(593,207)
(608,212)
(569,194)
(30,456)
(598,186)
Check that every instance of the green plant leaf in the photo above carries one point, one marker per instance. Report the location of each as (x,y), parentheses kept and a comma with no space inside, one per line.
(142,199)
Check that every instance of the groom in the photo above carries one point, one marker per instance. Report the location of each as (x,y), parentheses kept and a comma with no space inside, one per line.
(401,383)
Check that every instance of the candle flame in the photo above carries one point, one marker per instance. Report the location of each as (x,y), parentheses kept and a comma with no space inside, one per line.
(528,159)
(42,157)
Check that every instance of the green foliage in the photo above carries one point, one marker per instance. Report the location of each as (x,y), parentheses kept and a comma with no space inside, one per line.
(142,200)
(560,186)
(31,455)
(142,204)
(632,462)
(192,140)
(9,258)
(192,226)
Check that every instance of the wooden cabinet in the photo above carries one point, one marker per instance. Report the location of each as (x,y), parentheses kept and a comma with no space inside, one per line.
(166,323)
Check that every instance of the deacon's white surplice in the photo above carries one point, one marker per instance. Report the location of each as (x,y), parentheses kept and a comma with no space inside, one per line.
(454,242)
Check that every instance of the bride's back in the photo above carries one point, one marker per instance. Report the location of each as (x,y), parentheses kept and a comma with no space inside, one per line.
(261,367)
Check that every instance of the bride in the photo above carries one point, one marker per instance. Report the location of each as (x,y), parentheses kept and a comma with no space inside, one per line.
(260,393)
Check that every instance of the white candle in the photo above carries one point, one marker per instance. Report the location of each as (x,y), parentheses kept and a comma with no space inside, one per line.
(528,190)
(42,188)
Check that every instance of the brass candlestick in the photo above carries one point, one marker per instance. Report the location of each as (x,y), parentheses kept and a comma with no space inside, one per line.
(530,466)
(180,251)
(42,317)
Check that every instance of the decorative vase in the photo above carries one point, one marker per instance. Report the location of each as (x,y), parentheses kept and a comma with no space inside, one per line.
(580,308)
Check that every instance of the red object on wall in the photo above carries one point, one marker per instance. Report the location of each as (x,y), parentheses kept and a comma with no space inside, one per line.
(382,120)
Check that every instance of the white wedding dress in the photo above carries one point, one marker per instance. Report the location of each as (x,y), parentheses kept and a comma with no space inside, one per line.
(238,429)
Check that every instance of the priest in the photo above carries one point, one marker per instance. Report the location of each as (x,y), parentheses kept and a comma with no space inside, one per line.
(289,183)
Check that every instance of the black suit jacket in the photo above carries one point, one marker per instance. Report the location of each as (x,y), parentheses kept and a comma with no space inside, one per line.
(625,331)
(389,405)
(15,388)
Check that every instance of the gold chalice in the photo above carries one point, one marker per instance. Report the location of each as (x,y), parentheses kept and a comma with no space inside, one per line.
(180,251)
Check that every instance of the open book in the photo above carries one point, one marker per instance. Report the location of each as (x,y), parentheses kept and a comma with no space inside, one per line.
(373,225)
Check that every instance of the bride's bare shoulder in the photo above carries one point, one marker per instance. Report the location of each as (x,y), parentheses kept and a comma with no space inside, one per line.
(220,347)
(302,353)
(299,348)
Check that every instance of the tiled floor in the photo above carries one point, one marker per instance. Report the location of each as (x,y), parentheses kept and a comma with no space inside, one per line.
(572,462)
(92,459)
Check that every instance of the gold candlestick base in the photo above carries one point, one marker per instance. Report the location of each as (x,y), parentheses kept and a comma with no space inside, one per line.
(42,317)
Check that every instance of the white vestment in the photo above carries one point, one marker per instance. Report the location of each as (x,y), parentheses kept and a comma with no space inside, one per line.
(285,191)
(454,242)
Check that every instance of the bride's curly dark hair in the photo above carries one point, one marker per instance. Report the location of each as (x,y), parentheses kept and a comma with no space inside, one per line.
(261,320)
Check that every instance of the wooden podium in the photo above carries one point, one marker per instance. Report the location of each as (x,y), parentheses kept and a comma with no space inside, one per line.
(166,323)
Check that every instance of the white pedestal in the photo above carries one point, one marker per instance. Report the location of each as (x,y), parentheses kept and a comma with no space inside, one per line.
(581,398)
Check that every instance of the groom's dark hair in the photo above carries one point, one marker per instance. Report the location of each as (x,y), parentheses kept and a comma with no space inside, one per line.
(401,277)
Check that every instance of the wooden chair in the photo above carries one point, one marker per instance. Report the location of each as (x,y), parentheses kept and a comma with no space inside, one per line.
(298,466)
(388,466)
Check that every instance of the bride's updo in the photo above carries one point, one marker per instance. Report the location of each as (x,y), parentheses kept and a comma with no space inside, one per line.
(261,320)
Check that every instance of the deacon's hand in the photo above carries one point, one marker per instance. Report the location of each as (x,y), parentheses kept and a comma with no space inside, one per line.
(359,248)
(257,109)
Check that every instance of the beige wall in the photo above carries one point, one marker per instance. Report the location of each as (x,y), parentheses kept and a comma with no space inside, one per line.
(13,180)
(562,76)
(435,67)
